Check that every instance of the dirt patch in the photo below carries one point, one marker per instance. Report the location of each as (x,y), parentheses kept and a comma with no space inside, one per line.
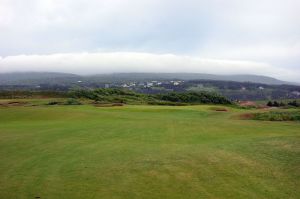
(3,105)
(219,109)
(13,103)
(246,116)
(109,105)
(16,103)
(248,103)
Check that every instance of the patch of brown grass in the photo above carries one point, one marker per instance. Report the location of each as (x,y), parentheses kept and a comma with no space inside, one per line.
(109,105)
(220,109)
(246,116)
(248,103)
(13,103)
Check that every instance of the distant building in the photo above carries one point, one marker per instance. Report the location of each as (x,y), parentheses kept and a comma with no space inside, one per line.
(132,84)
(125,86)
(176,83)
(296,93)
(149,84)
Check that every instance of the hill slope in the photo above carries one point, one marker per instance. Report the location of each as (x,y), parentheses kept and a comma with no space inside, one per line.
(28,78)
(63,78)
(190,76)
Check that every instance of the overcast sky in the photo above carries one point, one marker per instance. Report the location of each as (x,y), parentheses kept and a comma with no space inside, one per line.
(103,36)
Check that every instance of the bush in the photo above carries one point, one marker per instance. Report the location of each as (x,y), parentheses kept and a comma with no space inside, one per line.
(294,103)
(194,97)
(53,103)
(173,98)
(276,104)
(278,116)
(72,101)
(282,104)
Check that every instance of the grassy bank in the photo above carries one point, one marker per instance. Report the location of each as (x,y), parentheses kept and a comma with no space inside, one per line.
(145,152)
(278,116)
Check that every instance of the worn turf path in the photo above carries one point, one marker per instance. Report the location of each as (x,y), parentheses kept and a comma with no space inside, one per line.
(145,152)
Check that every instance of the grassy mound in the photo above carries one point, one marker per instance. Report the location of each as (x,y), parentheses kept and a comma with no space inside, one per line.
(277,116)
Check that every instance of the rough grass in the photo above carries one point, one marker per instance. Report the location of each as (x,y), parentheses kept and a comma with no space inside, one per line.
(145,152)
(278,116)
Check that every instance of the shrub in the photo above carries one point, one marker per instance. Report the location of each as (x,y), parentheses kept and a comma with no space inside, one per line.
(282,104)
(127,96)
(53,103)
(72,101)
(276,104)
(195,97)
(294,103)
(278,116)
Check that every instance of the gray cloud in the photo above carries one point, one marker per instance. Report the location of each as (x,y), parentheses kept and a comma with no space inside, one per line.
(92,63)
(256,31)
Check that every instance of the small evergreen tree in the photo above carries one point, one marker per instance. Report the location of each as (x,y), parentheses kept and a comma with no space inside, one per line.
(269,103)
(276,104)
(282,104)
(294,103)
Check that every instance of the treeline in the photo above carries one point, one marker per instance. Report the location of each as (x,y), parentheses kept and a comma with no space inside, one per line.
(103,95)
(230,89)
(277,116)
(293,103)
(194,97)
(127,96)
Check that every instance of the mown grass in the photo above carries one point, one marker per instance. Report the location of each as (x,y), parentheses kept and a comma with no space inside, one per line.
(145,152)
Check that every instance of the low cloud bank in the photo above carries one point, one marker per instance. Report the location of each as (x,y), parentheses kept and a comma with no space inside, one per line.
(118,62)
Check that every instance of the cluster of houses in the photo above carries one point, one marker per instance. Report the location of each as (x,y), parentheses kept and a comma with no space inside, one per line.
(259,88)
(149,84)
(296,93)
(135,84)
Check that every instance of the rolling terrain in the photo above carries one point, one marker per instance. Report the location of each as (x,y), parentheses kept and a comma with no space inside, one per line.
(28,78)
(145,152)
(234,87)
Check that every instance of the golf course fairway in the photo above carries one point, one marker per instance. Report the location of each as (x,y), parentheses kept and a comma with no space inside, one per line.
(145,152)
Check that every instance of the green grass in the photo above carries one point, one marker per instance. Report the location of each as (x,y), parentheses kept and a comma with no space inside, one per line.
(145,152)
(278,116)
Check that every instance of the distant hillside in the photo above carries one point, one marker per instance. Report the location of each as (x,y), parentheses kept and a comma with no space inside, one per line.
(190,76)
(29,78)
(235,87)
(33,78)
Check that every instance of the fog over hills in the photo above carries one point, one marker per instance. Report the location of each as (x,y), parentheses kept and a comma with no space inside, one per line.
(63,78)
(225,38)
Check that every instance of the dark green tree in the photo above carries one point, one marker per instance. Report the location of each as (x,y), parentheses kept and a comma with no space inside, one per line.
(269,103)
(276,104)
(282,104)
